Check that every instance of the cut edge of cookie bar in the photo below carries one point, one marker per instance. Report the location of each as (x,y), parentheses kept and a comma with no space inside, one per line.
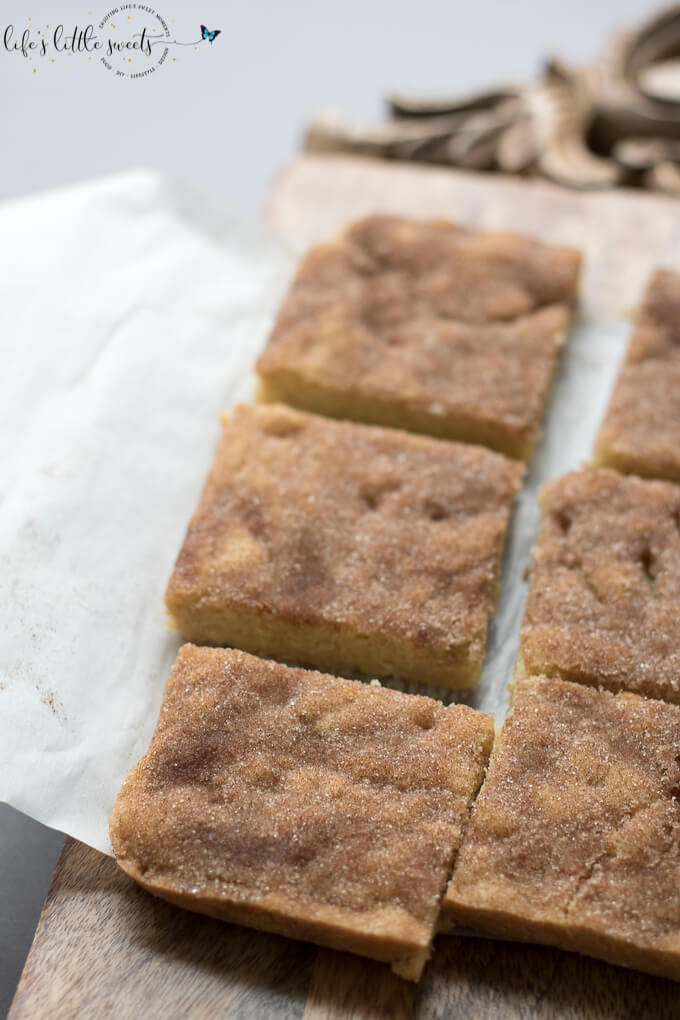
(631,464)
(382,928)
(289,387)
(485,910)
(392,942)
(321,645)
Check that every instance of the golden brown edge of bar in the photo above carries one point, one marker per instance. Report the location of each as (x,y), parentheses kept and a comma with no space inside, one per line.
(280,915)
(627,464)
(372,655)
(609,948)
(294,390)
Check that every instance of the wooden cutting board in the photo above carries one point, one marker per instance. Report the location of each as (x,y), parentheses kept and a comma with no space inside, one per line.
(104,948)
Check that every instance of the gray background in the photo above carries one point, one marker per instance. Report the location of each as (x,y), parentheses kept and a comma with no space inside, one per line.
(226,118)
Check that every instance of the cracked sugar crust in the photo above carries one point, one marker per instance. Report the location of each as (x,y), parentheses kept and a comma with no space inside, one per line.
(345,546)
(300,803)
(574,838)
(641,429)
(426,326)
(604,598)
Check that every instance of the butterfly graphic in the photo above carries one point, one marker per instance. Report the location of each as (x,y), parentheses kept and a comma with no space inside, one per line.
(207,34)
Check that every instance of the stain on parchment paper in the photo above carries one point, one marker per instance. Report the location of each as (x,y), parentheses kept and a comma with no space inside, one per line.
(48,697)
(51,701)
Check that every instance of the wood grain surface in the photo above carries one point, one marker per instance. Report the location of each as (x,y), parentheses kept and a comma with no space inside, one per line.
(622,234)
(104,947)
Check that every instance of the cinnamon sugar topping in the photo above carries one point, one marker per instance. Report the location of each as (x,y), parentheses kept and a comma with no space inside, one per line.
(604,600)
(575,837)
(346,546)
(300,803)
(426,326)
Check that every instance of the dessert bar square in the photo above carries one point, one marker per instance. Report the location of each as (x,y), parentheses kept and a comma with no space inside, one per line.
(604,598)
(573,839)
(316,807)
(347,547)
(426,326)
(641,430)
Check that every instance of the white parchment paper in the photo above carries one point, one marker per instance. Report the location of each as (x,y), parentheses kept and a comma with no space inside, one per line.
(131,315)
